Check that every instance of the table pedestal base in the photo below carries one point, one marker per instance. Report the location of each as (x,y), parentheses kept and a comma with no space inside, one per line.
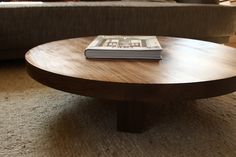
(131,117)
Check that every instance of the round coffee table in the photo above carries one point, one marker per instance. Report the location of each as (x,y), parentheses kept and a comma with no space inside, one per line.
(190,69)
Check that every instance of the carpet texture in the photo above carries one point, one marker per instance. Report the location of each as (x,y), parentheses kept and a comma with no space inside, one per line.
(37,121)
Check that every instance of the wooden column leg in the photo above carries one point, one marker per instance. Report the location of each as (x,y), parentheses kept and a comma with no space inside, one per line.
(131,117)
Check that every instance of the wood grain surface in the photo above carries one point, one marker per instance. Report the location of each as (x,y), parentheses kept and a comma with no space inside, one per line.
(190,69)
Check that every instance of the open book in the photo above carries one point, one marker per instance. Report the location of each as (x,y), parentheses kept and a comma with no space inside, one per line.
(128,47)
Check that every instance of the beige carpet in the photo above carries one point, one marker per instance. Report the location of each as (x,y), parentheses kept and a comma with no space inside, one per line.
(36,121)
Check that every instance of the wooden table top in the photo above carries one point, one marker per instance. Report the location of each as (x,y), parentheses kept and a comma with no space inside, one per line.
(198,68)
